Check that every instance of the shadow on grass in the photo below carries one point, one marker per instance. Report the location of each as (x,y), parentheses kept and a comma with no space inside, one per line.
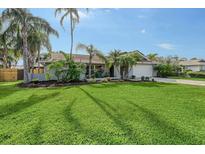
(147,84)
(7,90)
(77,127)
(170,130)
(37,133)
(104,85)
(23,104)
(70,118)
(116,118)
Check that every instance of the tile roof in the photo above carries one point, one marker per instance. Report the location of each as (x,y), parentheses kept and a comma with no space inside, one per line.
(76,58)
(192,62)
(55,56)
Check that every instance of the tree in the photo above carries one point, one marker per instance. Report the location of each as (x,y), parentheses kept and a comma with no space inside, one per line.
(152,56)
(168,66)
(5,45)
(113,59)
(74,19)
(36,41)
(22,22)
(92,51)
(126,62)
(66,70)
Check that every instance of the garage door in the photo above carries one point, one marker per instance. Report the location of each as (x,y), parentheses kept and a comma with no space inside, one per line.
(142,70)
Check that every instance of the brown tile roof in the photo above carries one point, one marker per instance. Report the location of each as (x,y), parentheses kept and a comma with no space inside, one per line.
(55,56)
(76,58)
(192,62)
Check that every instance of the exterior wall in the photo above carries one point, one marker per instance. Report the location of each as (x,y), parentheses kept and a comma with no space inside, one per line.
(202,68)
(140,70)
(193,68)
(116,73)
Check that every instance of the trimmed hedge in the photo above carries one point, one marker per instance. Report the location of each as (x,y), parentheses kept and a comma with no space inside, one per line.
(197,74)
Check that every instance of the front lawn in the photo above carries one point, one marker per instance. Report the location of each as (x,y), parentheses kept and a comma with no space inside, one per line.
(112,113)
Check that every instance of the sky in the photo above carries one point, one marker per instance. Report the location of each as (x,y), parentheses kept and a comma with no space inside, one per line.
(166,32)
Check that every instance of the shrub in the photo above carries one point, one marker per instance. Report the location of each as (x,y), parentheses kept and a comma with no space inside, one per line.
(146,78)
(48,76)
(197,74)
(164,70)
(72,71)
(133,77)
(66,70)
(56,67)
(142,78)
(106,74)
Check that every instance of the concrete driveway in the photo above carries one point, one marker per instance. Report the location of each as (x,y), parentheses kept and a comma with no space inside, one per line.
(180,81)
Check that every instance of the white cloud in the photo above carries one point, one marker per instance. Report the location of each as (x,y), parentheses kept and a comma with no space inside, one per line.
(143,31)
(166,46)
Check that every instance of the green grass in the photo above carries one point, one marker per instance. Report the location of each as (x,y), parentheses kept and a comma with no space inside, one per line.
(186,78)
(113,113)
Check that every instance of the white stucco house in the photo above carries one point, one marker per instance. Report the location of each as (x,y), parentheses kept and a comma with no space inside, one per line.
(194,65)
(145,67)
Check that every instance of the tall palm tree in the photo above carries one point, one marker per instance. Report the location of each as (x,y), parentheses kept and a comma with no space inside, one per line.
(92,51)
(74,19)
(152,56)
(6,43)
(25,22)
(36,41)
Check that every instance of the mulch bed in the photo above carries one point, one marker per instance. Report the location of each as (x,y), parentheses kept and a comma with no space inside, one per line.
(54,83)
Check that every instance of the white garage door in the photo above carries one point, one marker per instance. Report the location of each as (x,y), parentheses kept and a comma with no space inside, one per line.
(142,70)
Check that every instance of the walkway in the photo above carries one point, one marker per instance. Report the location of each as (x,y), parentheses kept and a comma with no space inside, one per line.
(180,81)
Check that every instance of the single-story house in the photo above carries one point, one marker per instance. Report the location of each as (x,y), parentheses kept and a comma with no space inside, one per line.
(145,67)
(194,65)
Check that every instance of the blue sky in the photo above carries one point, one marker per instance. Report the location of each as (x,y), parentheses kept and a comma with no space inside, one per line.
(164,31)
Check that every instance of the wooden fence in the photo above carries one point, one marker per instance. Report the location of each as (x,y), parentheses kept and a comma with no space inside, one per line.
(11,74)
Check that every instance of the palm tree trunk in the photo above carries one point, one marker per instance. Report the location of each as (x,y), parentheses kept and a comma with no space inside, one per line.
(5,58)
(71,35)
(38,64)
(90,67)
(25,55)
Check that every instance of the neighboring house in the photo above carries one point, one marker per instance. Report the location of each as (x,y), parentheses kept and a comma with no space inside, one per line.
(143,68)
(194,65)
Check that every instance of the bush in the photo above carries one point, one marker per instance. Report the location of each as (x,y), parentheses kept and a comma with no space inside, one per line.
(146,78)
(142,78)
(48,76)
(165,70)
(133,77)
(196,74)
(66,70)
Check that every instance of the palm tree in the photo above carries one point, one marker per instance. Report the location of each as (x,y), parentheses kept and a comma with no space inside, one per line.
(92,51)
(23,22)
(113,58)
(36,41)
(6,44)
(152,56)
(127,61)
(74,19)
